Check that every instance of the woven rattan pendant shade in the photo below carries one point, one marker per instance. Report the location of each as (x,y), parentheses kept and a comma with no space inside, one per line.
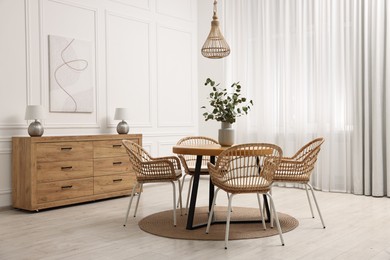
(215,46)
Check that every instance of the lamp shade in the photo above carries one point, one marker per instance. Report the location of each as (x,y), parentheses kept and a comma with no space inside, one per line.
(122,113)
(215,46)
(34,112)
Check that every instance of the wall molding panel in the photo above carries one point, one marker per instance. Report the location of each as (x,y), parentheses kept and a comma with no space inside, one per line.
(165,147)
(174,43)
(6,145)
(181,9)
(144,57)
(58,25)
(121,84)
(143,4)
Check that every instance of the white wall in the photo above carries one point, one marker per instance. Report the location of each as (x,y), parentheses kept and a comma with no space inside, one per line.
(145,57)
(207,68)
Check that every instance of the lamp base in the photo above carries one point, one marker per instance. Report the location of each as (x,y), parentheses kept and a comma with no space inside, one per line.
(122,127)
(35,129)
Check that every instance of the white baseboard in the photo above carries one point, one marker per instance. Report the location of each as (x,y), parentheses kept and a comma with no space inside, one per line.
(5,199)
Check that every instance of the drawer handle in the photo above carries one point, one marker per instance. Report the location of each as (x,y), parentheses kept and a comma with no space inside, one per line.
(66,187)
(66,148)
(116,145)
(117,180)
(116,163)
(66,168)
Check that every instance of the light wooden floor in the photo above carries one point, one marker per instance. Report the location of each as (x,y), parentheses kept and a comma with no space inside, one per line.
(358,227)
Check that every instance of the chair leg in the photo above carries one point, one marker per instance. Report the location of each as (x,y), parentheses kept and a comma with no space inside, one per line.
(227,195)
(139,196)
(261,211)
(271,216)
(315,201)
(211,213)
(276,217)
(308,199)
(182,186)
(130,202)
(229,211)
(189,193)
(180,198)
(174,203)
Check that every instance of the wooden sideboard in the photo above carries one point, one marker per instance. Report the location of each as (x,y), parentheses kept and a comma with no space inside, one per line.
(54,171)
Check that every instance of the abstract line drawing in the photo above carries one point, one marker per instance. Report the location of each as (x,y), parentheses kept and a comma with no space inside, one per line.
(71,85)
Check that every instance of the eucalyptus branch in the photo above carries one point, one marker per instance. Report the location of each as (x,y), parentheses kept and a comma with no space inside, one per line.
(226,105)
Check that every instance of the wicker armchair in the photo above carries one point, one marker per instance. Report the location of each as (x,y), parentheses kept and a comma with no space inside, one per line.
(299,167)
(152,170)
(246,168)
(188,161)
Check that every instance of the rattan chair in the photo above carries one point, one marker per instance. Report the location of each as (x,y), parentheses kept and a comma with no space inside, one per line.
(299,168)
(152,170)
(188,161)
(246,168)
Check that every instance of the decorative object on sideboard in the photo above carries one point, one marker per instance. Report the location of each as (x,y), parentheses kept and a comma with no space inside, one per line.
(71,66)
(226,105)
(35,112)
(215,46)
(122,114)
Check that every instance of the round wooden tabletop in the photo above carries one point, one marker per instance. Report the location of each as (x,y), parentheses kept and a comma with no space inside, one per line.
(207,149)
(216,149)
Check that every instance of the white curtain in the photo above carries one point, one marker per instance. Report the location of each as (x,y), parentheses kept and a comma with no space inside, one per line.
(317,68)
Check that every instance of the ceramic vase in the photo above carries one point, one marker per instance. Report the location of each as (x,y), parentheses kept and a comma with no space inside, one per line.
(226,134)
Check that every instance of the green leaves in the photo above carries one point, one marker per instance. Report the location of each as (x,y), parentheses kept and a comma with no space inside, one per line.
(227,104)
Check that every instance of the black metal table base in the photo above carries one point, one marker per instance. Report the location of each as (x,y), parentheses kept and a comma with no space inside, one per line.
(194,194)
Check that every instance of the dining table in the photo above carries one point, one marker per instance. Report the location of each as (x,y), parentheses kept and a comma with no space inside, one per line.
(200,150)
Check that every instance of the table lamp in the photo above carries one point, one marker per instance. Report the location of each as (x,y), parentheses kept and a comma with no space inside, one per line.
(122,114)
(35,112)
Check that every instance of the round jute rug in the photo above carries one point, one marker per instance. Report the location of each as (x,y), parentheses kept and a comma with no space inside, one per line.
(161,224)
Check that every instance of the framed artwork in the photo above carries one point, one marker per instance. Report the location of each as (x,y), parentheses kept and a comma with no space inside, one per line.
(71,83)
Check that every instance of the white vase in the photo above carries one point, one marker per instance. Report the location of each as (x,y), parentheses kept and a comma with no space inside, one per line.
(226,134)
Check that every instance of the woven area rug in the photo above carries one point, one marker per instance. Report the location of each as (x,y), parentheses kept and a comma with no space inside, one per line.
(161,224)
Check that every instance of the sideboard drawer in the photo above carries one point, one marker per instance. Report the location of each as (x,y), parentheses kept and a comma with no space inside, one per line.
(110,183)
(64,170)
(52,171)
(110,148)
(114,165)
(65,151)
(63,190)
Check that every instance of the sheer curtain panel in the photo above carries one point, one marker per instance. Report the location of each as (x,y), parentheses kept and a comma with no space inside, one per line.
(317,68)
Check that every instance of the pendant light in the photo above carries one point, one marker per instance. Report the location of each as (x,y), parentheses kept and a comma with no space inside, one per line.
(215,46)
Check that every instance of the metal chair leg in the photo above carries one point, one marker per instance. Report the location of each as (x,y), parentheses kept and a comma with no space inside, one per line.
(130,202)
(308,199)
(182,186)
(211,213)
(228,220)
(261,211)
(276,217)
(189,192)
(139,196)
(180,198)
(174,203)
(271,215)
(315,201)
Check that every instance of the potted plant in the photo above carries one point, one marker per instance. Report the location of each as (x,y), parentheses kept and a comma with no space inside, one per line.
(227,105)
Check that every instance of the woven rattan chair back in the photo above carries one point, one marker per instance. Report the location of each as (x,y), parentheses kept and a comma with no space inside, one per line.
(246,168)
(299,168)
(149,169)
(188,161)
